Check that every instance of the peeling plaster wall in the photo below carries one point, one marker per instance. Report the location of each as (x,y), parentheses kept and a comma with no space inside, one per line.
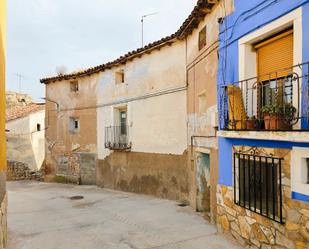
(60,141)
(202,104)
(154,95)
(157,123)
(24,142)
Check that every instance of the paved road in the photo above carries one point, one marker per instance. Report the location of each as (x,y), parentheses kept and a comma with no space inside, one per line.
(42,216)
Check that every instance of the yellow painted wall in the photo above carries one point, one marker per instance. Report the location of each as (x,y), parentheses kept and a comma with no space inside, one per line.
(2,84)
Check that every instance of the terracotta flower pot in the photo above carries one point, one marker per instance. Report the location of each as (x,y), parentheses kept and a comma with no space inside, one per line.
(273,122)
(251,124)
(267,121)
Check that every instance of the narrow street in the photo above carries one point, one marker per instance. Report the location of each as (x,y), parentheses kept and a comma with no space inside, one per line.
(46,216)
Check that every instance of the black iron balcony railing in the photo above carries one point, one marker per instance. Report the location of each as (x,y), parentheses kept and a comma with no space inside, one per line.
(117,137)
(276,101)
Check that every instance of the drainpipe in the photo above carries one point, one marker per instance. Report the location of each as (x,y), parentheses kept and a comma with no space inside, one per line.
(197,136)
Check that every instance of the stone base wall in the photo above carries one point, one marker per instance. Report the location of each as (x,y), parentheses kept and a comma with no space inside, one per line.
(3,223)
(161,175)
(78,168)
(18,171)
(253,229)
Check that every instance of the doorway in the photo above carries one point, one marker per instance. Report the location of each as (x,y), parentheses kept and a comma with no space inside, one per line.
(203,182)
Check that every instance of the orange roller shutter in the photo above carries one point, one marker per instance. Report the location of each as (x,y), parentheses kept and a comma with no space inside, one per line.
(274,55)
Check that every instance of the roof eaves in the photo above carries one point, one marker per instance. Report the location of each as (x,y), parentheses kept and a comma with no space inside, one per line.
(202,8)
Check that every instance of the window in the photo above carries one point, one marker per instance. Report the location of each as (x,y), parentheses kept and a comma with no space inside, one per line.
(202,38)
(74,86)
(74,125)
(257,184)
(202,103)
(300,172)
(119,77)
(38,127)
(123,122)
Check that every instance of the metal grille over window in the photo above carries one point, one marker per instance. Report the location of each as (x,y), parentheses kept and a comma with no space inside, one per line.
(257,183)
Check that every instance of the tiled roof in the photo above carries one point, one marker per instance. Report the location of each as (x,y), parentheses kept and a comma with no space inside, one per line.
(23,111)
(198,13)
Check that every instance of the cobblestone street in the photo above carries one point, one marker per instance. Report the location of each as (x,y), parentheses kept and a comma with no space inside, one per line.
(56,216)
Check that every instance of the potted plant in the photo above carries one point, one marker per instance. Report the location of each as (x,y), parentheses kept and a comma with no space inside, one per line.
(286,116)
(271,118)
(251,123)
(278,117)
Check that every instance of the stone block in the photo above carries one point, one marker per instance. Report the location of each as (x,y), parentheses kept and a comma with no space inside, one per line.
(224,222)
(293,216)
(245,228)
(283,241)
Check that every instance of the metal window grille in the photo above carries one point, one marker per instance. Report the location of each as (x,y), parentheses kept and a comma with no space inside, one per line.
(117,137)
(257,183)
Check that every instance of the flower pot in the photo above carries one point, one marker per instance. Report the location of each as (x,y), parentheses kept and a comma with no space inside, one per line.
(273,122)
(267,121)
(251,124)
(283,124)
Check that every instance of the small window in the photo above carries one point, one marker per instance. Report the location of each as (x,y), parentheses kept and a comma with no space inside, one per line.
(119,77)
(202,103)
(38,127)
(74,86)
(74,125)
(202,38)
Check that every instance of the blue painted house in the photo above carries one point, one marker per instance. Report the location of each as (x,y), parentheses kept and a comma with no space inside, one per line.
(263,102)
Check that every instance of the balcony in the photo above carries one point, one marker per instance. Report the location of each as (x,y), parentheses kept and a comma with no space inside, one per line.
(117,138)
(277,101)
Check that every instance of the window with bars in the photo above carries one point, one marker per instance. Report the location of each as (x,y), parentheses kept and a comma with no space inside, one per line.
(257,183)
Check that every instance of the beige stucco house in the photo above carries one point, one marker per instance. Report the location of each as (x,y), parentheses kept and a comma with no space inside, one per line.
(25,134)
(140,114)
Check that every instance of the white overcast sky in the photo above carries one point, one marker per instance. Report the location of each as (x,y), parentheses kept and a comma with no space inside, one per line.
(45,34)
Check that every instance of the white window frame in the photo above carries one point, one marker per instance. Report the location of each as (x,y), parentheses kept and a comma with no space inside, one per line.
(72,128)
(298,173)
(247,64)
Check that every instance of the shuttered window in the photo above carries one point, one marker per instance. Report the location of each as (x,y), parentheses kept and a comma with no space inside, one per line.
(275,54)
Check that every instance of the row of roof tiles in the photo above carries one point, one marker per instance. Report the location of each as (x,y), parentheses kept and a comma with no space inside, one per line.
(200,10)
(23,111)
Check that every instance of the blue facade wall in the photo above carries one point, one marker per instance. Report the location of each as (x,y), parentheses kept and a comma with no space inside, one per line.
(226,150)
(247,17)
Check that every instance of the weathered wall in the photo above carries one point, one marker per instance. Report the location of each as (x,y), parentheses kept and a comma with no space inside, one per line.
(260,232)
(24,142)
(157,120)
(202,100)
(19,171)
(161,175)
(59,140)
(3,222)
(3,200)
(154,94)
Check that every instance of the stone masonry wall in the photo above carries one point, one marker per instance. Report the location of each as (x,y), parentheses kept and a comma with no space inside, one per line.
(3,223)
(253,229)
(18,171)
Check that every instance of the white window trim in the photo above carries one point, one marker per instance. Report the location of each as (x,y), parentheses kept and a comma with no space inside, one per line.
(247,66)
(297,184)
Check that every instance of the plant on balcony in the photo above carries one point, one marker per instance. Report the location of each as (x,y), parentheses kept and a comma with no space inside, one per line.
(278,117)
(270,113)
(251,123)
